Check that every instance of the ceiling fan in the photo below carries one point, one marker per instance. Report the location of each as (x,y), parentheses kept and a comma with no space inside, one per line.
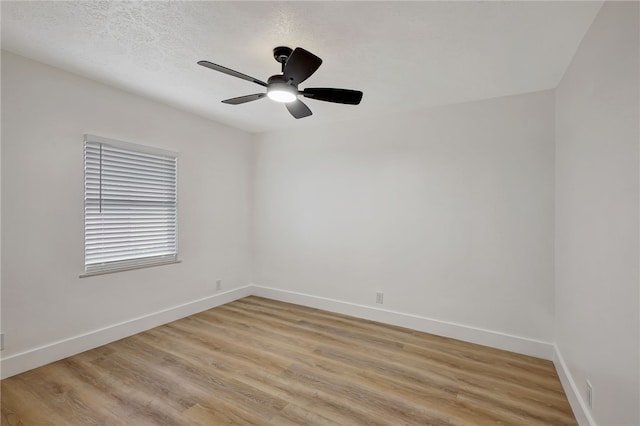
(297,66)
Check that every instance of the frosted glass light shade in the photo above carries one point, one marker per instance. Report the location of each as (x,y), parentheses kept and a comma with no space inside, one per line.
(281,92)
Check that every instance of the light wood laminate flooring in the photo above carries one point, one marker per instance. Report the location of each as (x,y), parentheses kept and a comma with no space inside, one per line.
(262,362)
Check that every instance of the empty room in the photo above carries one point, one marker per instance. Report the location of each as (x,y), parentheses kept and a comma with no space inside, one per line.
(320,213)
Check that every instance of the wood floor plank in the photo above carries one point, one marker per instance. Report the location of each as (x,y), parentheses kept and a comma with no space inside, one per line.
(293,415)
(257,361)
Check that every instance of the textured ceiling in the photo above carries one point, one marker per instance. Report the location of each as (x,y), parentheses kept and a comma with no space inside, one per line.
(402,55)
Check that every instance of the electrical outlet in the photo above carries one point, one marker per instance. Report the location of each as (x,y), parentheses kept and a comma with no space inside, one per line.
(1,341)
(379,297)
(218,285)
(589,394)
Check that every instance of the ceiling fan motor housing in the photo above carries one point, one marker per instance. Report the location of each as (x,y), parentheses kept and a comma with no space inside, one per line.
(280,79)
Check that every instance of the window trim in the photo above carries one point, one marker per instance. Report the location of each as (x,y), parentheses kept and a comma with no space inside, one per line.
(128,268)
(134,263)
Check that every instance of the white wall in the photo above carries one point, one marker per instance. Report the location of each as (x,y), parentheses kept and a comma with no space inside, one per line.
(45,113)
(448,211)
(597,215)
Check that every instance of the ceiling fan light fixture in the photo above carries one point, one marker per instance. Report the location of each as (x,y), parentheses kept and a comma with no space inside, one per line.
(282,92)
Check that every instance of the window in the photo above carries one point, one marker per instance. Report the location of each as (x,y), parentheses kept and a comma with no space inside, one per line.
(130,206)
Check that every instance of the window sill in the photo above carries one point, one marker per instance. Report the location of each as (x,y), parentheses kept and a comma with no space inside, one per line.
(128,268)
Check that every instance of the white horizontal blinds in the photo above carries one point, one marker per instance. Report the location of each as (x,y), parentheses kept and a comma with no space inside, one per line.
(130,207)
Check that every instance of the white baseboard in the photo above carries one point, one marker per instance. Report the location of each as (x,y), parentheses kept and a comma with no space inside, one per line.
(36,357)
(466,333)
(27,360)
(578,404)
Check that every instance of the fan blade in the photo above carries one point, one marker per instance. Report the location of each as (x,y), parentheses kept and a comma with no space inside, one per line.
(339,96)
(231,72)
(243,99)
(298,109)
(300,65)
